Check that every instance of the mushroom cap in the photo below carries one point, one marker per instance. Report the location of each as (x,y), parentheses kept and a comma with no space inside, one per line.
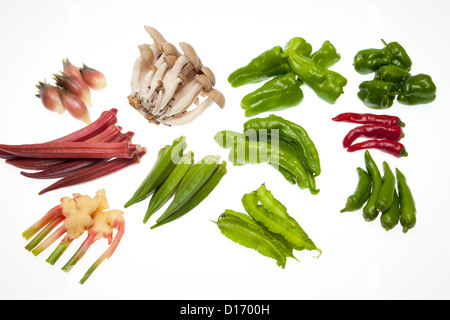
(204,81)
(216,96)
(170,60)
(208,72)
(156,36)
(146,53)
(169,49)
(192,56)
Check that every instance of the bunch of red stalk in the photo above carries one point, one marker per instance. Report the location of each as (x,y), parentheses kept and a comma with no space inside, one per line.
(383,131)
(72,91)
(92,152)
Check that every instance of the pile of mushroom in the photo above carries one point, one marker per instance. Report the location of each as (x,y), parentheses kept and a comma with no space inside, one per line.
(165,83)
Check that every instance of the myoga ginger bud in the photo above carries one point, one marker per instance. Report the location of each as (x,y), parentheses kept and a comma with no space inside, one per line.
(50,97)
(76,86)
(94,78)
(75,106)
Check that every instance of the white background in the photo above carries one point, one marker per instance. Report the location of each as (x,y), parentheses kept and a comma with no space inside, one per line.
(189,258)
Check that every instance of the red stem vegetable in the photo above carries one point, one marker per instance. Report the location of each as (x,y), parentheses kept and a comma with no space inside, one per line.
(374,132)
(368,118)
(394,148)
(67,150)
(99,170)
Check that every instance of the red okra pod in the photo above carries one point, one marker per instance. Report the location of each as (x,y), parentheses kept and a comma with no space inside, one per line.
(394,148)
(96,171)
(368,118)
(373,131)
(67,150)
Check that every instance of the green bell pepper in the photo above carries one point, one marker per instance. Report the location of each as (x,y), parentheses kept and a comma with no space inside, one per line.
(369,60)
(277,94)
(418,89)
(392,73)
(377,94)
(270,63)
(399,56)
(326,56)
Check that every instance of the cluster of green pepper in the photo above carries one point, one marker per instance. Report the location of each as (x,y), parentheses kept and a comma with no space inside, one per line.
(175,174)
(268,228)
(391,65)
(288,69)
(283,144)
(379,194)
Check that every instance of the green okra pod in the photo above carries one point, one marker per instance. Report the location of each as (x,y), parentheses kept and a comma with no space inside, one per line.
(361,193)
(167,159)
(407,204)
(370,211)
(191,183)
(166,190)
(198,197)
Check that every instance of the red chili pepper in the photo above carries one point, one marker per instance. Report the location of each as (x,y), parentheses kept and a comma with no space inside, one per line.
(394,148)
(373,131)
(368,118)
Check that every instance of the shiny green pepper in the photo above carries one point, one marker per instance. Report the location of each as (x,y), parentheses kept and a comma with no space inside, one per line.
(392,73)
(399,57)
(327,84)
(277,94)
(418,89)
(268,64)
(326,56)
(299,46)
(377,94)
(369,60)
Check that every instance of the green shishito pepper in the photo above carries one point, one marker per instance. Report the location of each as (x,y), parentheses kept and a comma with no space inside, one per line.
(369,60)
(418,89)
(277,94)
(327,84)
(377,94)
(270,63)
(326,56)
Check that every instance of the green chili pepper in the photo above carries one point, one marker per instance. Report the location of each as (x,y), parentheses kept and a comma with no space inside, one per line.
(241,229)
(361,193)
(198,197)
(370,211)
(286,174)
(386,196)
(270,63)
(326,56)
(165,191)
(390,218)
(327,84)
(418,89)
(167,159)
(392,73)
(377,94)
(277,223)
(280,93)
(399,56)
(192,182)
(290,132)
(407,204)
